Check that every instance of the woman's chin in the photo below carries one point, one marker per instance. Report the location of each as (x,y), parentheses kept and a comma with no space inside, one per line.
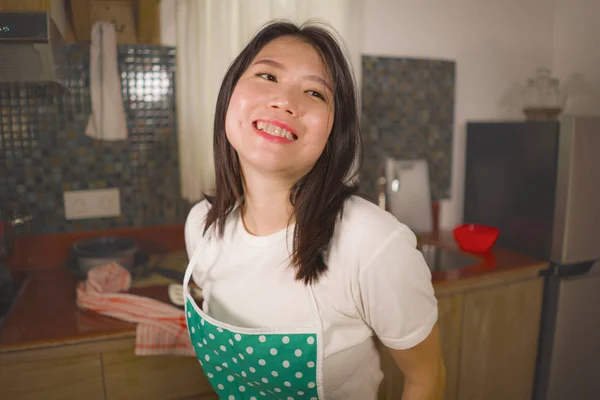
(280,169)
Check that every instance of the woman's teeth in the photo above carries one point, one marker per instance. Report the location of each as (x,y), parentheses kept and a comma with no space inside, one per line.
(275,130)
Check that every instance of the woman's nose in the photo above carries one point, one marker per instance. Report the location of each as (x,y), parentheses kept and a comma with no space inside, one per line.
(285,102)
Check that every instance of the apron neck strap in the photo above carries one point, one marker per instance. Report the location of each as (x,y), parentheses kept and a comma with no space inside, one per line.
(193,261)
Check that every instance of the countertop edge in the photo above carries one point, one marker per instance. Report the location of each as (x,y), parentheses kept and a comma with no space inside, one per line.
(477,282)
(25,346)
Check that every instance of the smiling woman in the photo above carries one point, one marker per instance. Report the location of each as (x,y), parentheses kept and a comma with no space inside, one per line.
(297,272)
(283,92)
(205,50)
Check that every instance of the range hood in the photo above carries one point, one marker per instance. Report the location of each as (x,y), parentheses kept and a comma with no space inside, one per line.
(31,48)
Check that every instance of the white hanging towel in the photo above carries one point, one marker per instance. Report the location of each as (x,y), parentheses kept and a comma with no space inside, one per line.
(107,120)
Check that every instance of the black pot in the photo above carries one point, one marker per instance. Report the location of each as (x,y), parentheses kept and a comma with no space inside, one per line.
(91,253)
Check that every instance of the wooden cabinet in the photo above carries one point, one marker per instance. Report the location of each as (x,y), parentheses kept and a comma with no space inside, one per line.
(120,13)
(127,376)
(100,370)
(488,329)
(450,321)
(60,376)
(500,338)
(25,5)
(148,21)
(393,380)
(450,325)
(136,21)
(489,337)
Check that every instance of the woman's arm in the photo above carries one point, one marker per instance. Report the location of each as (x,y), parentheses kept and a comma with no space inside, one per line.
(423,369)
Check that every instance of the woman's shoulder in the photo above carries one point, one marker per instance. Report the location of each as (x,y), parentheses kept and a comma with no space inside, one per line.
(360,213)
(194,224)
(197,215)
(366,227)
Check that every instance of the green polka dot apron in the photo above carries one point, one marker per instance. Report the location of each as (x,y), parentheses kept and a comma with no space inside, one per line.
(255,363)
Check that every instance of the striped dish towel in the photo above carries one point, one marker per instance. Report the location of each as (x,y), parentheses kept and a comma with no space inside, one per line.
(161,328)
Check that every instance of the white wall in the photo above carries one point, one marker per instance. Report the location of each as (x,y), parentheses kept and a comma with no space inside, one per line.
(496,46)
(576,60)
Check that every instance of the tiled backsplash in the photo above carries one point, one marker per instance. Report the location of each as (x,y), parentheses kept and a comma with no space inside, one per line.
(44,151)
(407,113)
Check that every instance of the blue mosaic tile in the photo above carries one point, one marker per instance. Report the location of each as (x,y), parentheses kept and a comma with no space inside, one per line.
(407,113)
(44,151)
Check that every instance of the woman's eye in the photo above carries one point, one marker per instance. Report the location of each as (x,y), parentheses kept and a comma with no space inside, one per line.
(316,94)
(268,77)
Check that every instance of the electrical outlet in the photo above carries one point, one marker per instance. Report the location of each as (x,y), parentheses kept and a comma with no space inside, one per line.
(86,204)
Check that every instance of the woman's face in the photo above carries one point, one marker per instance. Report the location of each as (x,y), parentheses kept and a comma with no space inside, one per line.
(281,110)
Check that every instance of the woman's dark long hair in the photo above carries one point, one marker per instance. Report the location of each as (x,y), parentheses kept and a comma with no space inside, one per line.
(318,197)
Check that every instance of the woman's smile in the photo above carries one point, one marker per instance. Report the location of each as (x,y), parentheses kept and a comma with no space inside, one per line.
(276,129)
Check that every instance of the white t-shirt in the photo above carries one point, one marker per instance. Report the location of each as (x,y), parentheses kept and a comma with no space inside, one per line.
(377,284)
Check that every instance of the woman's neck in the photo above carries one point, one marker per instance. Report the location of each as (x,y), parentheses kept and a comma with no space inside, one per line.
(266,208)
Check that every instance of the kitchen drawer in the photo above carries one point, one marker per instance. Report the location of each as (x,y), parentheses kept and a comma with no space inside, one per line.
(127,376)
(67,377)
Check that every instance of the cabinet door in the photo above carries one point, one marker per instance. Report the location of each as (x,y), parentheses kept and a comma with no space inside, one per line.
(393,380)
(75,377)
(25,5)
(499,341)
(121,13)
(450,325)
(127,376)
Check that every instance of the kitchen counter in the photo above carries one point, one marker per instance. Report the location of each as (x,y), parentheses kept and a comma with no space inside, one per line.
(45,313)
(499,265)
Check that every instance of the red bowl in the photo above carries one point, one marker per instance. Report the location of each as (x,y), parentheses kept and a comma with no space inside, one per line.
(475,238)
